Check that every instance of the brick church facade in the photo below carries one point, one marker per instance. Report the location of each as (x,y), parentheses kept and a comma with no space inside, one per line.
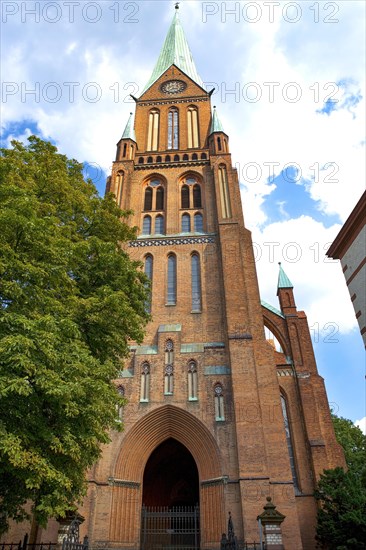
(253,421)
(216,415)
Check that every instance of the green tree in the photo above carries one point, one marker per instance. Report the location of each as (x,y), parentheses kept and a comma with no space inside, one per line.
(70,301)
(353,442)
(341,518)
(342,495)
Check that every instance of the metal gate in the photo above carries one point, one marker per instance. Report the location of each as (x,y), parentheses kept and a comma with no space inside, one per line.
(174,528)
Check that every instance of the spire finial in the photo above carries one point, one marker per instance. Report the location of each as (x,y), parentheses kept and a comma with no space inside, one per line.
(177,5)
(283,280)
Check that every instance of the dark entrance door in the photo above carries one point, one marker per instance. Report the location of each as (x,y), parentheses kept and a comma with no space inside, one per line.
(170,512)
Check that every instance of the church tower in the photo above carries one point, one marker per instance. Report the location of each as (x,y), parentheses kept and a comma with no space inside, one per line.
(218,417)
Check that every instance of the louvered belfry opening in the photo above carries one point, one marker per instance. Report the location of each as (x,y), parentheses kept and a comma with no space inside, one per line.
(170,511)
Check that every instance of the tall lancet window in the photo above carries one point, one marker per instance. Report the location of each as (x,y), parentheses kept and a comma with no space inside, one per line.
(172,280)
(146,225)
(186,223)
(289,441)
(159,198)
(169,369)
(119,408)
(173,129)
(185,196)
(224,192)
(196,283)
(198,223)
(153,130)
(119,187)
(149,262)
(197,201)
(192,123)
(148,199)
(159,225)
(192,381)
(219,403)
(145,383)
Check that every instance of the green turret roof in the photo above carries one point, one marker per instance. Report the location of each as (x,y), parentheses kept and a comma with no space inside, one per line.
(175,51)
(216,125)
(129,132)
(283,280)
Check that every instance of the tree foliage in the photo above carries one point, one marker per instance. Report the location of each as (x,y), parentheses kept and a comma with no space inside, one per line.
(342,495)
(353,442)
(70,300)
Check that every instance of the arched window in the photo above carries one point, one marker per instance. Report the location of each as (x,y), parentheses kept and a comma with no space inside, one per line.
(159,225)
(172,280)
(185,157)
(153,130)
(203,156)
(224,192)
(149,263)
(192,381)
(148,199)
(192,122)
(169,352)
(289,441)
(186,223)
(167,158)
(158,159)
(173,129)
(146,226)
(124,149)
(141,160)
(194,156)
(185,196)
(145,383)
(119,408)
(154,195)
(149,160)
(169,369)
(198,223)
(219,147)
(197,202)
(119,190)
(219,403)
(160,198)
(168,380)
(196,283)
(176,158)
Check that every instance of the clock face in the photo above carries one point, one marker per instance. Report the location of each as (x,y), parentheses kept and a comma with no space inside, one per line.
(173,87)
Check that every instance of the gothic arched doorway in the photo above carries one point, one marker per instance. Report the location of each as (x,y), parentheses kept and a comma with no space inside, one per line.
(139,444)
(170,511)
(170,476)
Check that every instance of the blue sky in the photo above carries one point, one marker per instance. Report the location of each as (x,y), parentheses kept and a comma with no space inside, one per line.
(289,89)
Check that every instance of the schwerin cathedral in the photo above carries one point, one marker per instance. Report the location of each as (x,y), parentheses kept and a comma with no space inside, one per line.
(218,418)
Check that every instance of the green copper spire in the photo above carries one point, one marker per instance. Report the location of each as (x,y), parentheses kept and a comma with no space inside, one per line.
(216,125)
(129,132)
(175,52)
(283,280)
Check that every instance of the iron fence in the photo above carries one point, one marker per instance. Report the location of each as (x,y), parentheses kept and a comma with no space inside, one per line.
(174,528)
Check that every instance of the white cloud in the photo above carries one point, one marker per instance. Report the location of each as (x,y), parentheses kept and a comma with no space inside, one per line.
(300,245)
(361,424)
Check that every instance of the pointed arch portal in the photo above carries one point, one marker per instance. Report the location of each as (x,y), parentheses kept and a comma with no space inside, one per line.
(170,477)
(168,458)
(170,496)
